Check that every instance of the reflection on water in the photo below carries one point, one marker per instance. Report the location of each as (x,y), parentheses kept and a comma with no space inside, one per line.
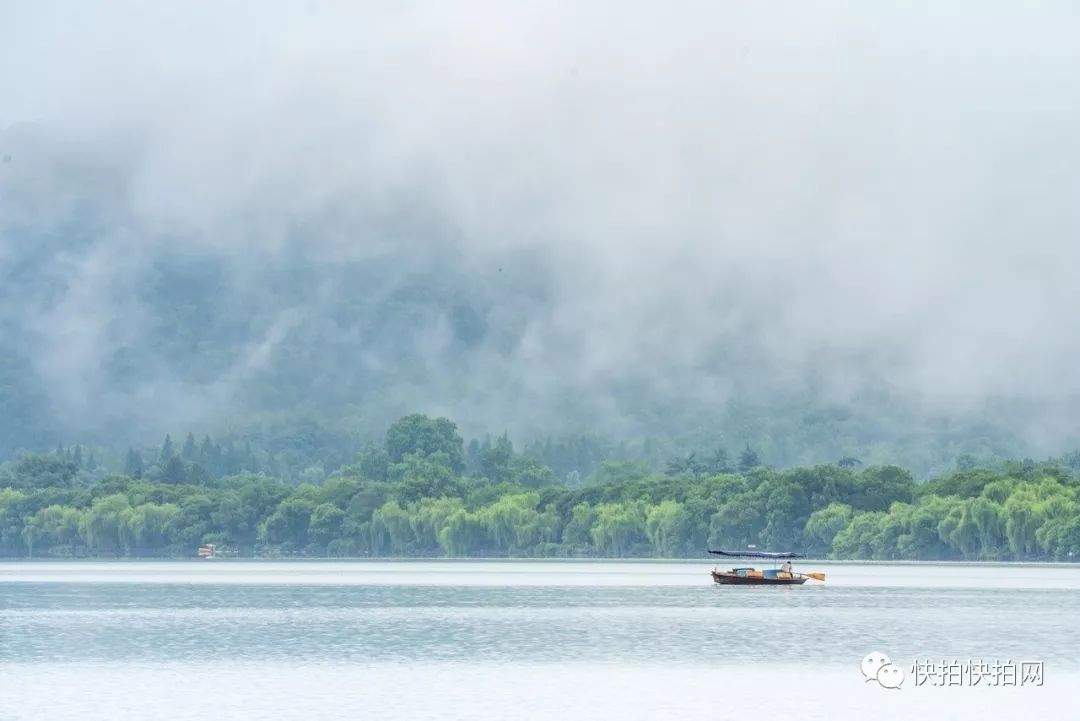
(527,573)
(381,639)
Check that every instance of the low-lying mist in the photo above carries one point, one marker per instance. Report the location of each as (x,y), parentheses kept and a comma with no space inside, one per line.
(823,229)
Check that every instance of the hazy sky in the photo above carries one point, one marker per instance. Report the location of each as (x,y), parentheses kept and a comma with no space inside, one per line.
(688,201)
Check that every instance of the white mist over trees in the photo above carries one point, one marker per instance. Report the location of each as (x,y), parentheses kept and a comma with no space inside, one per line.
(825,230)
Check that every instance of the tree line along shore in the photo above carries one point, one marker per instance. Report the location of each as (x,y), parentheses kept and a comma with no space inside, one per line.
(422,492)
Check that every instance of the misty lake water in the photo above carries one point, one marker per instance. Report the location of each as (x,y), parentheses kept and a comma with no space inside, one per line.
(519,639)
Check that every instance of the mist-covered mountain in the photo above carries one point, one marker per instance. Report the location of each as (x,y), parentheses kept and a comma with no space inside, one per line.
(843,233)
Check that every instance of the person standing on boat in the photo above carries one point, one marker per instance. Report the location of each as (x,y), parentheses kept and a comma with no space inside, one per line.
(785,567)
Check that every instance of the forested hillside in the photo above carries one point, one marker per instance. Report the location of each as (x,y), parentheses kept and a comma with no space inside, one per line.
(634,253)
(424,492)
(284,323)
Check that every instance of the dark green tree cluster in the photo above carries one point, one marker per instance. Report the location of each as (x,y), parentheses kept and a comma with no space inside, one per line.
(193,461)
(424,492)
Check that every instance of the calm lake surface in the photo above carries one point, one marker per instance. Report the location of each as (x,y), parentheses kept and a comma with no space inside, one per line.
(520,639)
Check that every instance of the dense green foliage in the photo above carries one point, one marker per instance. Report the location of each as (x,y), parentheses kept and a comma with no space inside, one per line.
(424,493)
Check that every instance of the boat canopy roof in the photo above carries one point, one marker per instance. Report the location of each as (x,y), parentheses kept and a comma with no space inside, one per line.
(755,554)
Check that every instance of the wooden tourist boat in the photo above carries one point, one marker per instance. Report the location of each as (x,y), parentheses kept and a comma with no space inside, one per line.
(746,576)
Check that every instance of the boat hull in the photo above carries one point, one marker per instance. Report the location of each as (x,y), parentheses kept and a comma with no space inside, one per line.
(733,579)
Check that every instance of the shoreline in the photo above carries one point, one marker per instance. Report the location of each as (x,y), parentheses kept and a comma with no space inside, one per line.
(522,559)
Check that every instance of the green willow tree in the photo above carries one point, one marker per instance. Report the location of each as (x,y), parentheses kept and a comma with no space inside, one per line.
(420,493)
